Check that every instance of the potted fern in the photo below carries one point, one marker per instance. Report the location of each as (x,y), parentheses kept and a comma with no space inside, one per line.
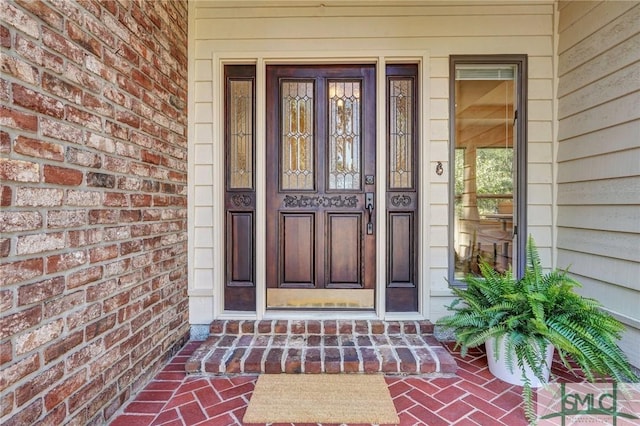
(521,320)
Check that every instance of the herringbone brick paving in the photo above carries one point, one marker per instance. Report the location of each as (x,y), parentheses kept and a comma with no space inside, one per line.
(472,397)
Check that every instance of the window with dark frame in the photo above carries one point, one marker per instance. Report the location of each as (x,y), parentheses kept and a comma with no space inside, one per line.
(488,164)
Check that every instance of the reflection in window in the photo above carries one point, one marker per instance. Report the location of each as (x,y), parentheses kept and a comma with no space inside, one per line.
(344,134)
(494,179)
(297,135)
(483,169)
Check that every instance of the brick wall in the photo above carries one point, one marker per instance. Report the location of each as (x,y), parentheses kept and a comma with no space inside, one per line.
(93,223)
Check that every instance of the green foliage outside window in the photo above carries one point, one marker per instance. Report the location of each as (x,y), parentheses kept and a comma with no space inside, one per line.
(494,177)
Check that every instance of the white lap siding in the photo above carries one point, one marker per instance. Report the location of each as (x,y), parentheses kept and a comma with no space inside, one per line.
(377,32)
(599,156)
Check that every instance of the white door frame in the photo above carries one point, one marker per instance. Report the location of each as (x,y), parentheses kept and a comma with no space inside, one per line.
(261,59)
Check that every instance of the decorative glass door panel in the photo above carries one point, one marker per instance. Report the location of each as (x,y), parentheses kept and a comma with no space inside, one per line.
(240,133)
(344,135)
(320,207)
(401,132)
(297,134)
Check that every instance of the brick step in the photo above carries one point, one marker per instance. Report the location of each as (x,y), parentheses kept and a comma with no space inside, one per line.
(327,346)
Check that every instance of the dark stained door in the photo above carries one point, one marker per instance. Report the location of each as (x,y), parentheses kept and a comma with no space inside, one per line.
(321,179)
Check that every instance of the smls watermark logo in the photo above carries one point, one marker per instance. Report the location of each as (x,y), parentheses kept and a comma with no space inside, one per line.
(572,404)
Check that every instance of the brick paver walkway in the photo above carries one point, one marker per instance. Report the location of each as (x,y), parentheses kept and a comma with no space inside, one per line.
(471,397)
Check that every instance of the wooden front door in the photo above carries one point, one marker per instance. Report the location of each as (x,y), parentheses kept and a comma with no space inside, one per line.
(321,184)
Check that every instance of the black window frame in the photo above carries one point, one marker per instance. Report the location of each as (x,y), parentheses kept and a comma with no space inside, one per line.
(520,207)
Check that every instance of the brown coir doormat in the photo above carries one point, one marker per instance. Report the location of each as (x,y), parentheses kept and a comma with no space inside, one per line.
(321,398)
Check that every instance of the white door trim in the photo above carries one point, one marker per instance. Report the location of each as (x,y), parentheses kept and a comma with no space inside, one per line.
(261,59)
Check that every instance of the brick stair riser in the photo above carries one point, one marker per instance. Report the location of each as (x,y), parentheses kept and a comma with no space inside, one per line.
(314,347)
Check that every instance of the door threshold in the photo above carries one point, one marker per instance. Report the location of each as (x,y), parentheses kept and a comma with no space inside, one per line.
(321,299)
(278,314)
(301,314)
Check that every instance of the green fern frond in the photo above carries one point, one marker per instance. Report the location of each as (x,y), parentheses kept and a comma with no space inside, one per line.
(527,395)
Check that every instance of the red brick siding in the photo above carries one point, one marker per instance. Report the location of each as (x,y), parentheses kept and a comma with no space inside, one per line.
(93,254)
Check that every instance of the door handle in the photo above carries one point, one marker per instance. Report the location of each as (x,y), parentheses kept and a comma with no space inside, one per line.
(369,205)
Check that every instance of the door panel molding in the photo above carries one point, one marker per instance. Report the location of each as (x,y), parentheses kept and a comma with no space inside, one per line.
(296,238)
(344,250)
(241,242)
(401,236)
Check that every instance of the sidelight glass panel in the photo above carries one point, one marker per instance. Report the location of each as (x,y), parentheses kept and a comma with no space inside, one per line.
(484,171)
(241,134)
(344,134)
(297,134)
(400,133)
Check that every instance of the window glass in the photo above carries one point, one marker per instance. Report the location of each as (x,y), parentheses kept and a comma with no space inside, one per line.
(400,133)
(297,134)
(484,166)
(240,131)
(344,134)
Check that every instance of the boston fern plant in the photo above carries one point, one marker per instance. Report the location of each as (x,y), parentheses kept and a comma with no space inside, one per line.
(535,311)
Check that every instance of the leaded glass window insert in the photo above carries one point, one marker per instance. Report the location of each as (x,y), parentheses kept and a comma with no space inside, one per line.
(297,135)
(241,134)
(344,134)
(400,133)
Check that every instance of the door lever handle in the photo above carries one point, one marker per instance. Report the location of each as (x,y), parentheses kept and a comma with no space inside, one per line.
(369,205)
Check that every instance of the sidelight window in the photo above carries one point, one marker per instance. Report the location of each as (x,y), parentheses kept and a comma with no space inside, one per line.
(240,192)
(402,187)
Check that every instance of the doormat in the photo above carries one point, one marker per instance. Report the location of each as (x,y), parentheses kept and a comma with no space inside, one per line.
(321,398)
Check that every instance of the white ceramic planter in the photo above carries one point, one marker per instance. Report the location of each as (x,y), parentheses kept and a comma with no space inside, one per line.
(500,369)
